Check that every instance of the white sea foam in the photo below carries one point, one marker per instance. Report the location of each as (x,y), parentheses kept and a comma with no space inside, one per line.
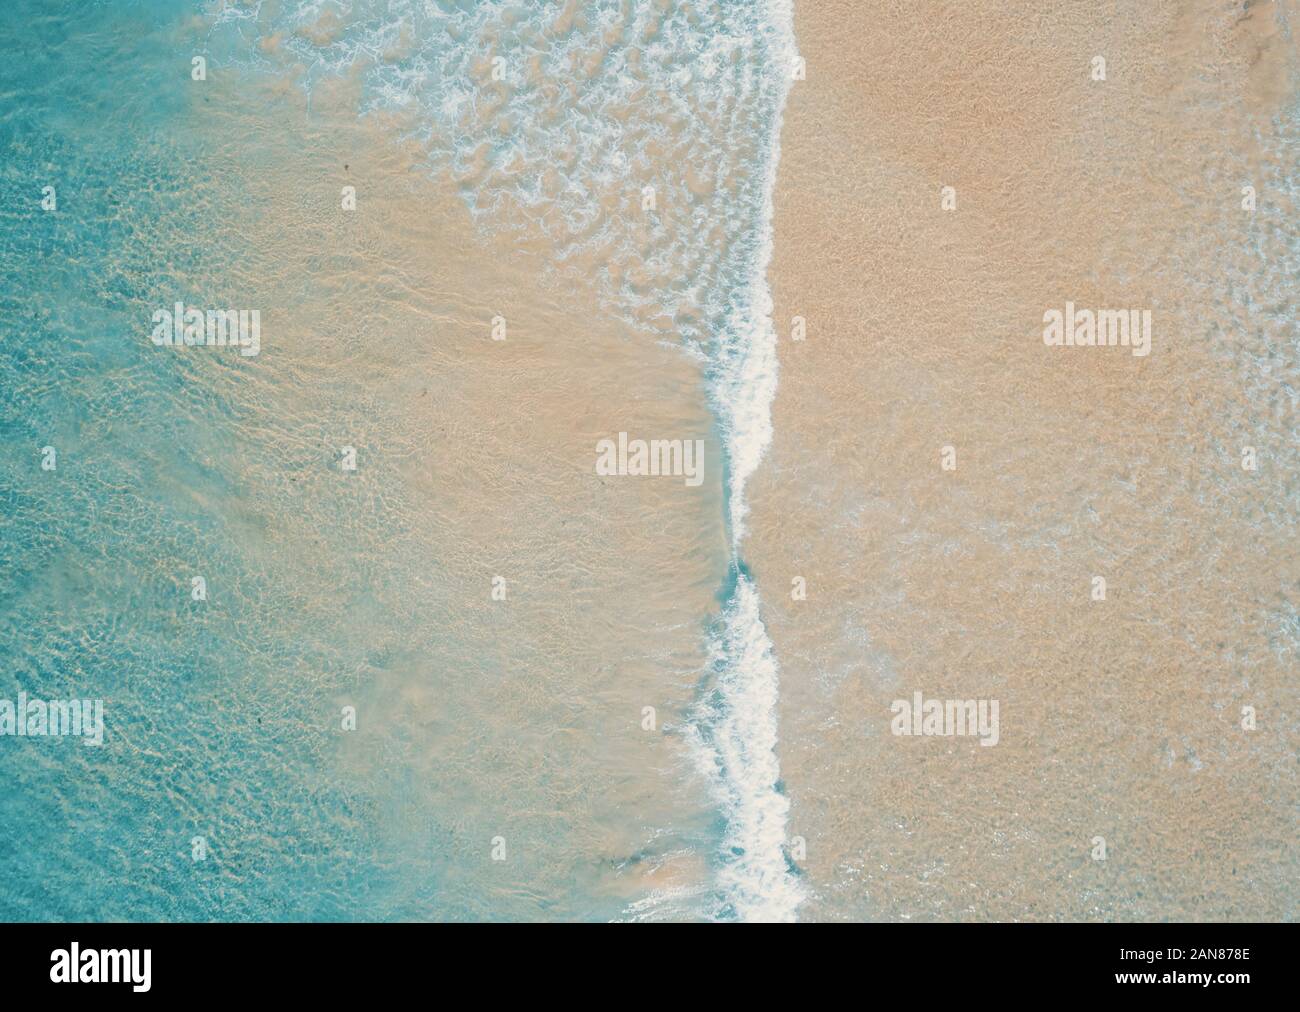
(738,735)
(746,378)
(735,737)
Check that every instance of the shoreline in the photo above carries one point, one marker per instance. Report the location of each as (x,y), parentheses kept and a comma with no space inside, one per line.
(734,729)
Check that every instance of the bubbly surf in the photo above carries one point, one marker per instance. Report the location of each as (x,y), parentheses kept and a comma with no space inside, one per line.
(641,141)
(738,728)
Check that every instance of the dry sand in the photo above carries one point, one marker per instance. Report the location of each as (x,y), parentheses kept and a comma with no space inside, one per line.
(1120,718)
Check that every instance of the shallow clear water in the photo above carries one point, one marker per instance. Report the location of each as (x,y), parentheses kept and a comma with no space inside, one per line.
(477,719)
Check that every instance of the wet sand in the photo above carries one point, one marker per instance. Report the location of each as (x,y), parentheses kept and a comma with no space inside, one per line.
(477,718)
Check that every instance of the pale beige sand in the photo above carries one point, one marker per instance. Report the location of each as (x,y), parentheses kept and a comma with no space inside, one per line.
(1120,718)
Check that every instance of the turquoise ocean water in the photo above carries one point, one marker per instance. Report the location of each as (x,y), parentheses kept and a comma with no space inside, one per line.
(96,556)
(221,714)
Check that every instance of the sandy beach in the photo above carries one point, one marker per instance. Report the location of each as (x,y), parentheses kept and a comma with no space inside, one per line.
(1120,718)
(981,316)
